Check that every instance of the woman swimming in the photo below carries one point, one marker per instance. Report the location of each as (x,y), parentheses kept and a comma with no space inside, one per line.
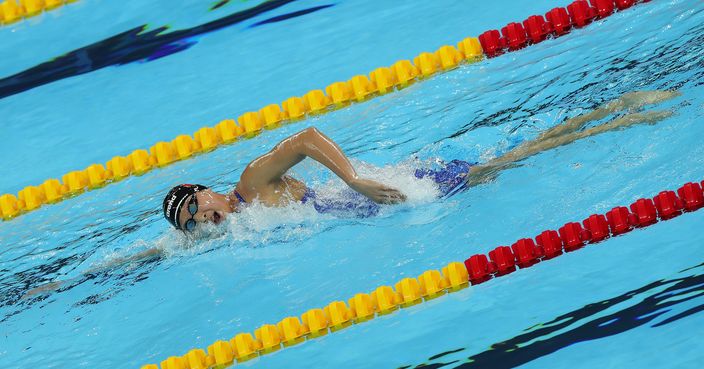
(265,179)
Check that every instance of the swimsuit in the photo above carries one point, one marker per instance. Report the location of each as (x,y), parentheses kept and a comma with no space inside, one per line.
(239,197)
(450,179)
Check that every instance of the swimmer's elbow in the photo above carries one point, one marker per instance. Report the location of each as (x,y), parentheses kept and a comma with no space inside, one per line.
(311,134)
(311,131)
(307,140)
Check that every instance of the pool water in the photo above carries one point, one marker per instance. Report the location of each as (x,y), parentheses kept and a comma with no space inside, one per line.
(631,301)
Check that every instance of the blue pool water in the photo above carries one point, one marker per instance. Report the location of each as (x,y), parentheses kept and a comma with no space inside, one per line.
(632,301)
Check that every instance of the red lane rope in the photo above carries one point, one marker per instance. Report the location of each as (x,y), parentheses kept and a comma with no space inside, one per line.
(557,22)
(572,236)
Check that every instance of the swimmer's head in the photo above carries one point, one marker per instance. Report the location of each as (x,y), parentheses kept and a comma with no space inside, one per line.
(187,205)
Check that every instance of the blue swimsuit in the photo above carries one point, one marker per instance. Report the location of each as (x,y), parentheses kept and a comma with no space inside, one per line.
(450,180)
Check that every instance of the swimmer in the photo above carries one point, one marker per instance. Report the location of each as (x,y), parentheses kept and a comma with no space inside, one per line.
(265,179)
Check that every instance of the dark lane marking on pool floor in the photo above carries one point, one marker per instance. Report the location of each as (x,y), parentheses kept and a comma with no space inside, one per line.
(220,4)
(133,45)
(543,339)
(283,17)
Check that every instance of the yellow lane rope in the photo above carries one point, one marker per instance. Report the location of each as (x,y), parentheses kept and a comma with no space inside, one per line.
(337,95)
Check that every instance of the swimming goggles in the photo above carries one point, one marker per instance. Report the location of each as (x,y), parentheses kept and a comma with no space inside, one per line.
(190,224)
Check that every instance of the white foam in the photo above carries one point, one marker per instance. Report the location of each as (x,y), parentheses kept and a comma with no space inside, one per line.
(402,177)
(258,225)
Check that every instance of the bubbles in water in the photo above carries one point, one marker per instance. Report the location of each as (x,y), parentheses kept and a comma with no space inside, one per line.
(257,225)
(400,176)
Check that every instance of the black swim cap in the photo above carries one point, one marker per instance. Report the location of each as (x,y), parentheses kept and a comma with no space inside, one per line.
(175,199)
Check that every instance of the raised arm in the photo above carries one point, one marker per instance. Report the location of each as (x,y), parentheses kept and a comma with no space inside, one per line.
(269,168)
(309,142)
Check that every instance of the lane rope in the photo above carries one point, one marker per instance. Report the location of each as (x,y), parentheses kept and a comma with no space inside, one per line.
(431,284)
(383,80)
(337,95)
(479,268)
(513,36)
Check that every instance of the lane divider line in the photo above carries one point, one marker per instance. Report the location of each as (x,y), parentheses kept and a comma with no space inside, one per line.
(383,80)
(431,284)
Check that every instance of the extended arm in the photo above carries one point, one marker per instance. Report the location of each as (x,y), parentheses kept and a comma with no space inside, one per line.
(112,264)
(310,142)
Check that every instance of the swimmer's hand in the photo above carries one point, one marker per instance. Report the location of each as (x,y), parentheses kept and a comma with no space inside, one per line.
(377,192)
(45,288)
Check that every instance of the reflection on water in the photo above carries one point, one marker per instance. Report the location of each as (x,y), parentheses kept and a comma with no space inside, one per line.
(450,116)
(134,45)
(255,226)
(639,307)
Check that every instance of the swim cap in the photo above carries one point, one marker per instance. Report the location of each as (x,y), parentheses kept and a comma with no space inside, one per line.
(175,199)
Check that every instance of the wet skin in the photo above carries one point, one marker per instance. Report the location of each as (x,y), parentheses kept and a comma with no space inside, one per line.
(265,180)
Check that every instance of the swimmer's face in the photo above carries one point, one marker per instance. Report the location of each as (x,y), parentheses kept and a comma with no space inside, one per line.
(212,208)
